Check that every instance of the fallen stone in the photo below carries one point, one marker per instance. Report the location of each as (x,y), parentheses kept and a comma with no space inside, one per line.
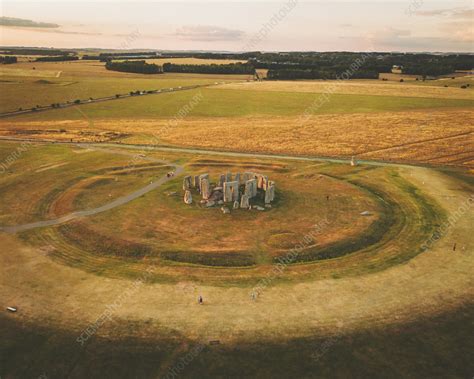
(225,210)
(244,201)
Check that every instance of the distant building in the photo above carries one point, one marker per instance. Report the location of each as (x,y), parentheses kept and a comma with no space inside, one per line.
(397,69)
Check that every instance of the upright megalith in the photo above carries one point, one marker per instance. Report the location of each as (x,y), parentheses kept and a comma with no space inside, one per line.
(237,178)
(228,177)
(231,191)
(244,201)
(188,198)
(187,183)
(247,176)
(262,180)
(205,188)
(270,193)
(221,180)
(196,181)
(251,188)
(201,178)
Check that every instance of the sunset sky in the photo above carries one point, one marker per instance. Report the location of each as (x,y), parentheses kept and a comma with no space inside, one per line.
(417,25)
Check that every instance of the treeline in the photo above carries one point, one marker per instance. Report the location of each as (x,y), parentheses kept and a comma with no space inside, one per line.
(60,58)
(329,65)
(231,68)
(32,51)
(8,59)
(122,54)
(91,58)
(293,74)
(333,64)
(138,67)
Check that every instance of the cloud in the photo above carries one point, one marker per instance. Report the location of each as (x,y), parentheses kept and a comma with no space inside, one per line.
(208,33)
(12,21)
(458,13)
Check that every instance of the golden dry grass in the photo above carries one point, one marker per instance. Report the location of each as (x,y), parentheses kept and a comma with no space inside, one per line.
(438,137)
(369,87)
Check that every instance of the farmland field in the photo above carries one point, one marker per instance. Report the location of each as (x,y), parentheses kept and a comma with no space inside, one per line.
(42,83)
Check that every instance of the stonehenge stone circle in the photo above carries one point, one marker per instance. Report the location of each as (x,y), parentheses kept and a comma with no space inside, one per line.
(255,186)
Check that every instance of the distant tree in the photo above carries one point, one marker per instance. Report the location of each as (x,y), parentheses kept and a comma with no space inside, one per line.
(8,59)
(138,67)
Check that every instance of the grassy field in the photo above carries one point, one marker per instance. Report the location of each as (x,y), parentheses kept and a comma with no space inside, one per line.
(365,87)
(222,103)
(306,193)
(57,82)
(404,318)
(432,347)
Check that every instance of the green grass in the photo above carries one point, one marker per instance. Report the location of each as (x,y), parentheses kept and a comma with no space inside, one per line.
(29,92)
(236,103)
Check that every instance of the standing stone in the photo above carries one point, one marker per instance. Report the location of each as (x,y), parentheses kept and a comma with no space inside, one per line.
(196,181)
(236,205)
(262,179)
(187,183)
(247,176)
(188,198)
(244,201)
(205,188)
(228,177)
(231,191)
(237,178)
(270,193)
(251,188)
(201,178)
(221,180)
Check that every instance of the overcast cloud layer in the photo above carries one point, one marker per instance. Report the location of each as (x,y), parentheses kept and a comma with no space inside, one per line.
(416,25)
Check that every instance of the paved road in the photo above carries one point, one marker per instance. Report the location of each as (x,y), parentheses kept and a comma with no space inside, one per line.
(113,204)
(218,152)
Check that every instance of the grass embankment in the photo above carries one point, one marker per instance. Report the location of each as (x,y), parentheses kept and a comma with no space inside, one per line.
(350,245)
